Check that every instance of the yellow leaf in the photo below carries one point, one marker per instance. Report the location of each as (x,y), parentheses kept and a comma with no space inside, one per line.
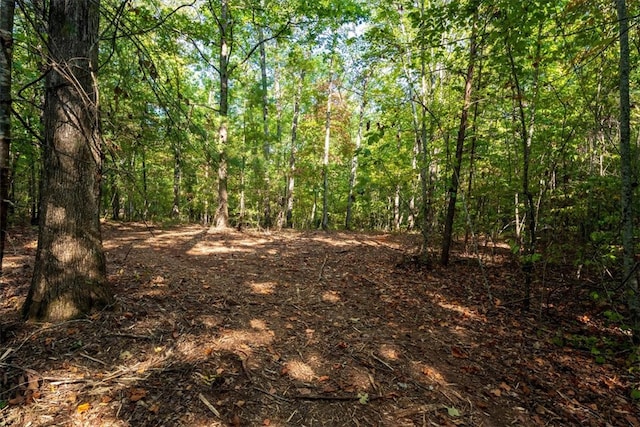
(84,407)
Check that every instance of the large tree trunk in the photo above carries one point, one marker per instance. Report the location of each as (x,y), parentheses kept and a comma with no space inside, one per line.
(7,8)
(629,263)
(455,176)
(69,278)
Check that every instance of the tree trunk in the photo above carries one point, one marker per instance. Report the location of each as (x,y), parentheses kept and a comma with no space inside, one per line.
(455,176)
(69,278)
(327,140)
(145,185)
(426,171)
(177,180)
(7,8)
(526,133)
(629,263)
(266,146)
(292,154)
(221,219)
(354,161)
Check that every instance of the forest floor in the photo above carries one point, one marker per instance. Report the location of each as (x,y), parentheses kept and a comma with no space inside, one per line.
(228,328)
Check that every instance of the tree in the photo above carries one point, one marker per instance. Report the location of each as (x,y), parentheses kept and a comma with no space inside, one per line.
(7,8)
(69,278)
(327,140)
(292,154)
(455,176)
(629,264)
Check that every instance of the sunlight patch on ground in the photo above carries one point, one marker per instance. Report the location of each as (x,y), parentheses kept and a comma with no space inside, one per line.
(202,248)
(429,373)
(331,296)
(258,324)
(299,370)
(263,288)
(466,312)
(243,339)
(210,321)
(360,380)
(191,348)
(389,352)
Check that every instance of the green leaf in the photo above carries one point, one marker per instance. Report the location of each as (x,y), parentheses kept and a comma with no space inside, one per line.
(363,398)
(453,412)
(635,394)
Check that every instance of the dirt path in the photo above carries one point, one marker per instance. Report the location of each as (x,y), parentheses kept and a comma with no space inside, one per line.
(303,329)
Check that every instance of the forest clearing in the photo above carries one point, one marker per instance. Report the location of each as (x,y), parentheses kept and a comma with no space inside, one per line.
(229,328)
(327,213)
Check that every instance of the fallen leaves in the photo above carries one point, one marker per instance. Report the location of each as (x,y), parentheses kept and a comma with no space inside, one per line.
(83,407)
(417,345)
(459,353)
(136,394)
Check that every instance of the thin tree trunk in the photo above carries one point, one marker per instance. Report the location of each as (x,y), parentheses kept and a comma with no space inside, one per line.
(472,158)
(455,176)
(327,141)
(426,172)
(69,278)
(145,188)
(397,217)
(7,8)
(266,148)
(221,219)
(177,180)
(527,131)
(629,263)
(293,152)
(354,161)
(416,162)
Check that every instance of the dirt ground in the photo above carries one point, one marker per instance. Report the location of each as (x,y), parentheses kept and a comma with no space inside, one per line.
(312,329)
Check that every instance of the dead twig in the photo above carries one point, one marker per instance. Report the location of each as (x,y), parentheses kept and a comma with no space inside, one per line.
(209,405)
(383,362)
(86,356)
(274,396)
(322,268)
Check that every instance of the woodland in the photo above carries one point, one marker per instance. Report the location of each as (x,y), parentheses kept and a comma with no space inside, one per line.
(334,213)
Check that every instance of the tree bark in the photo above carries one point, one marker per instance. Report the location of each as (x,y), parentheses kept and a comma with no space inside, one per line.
(7,8)
(628,246)
(69,278)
